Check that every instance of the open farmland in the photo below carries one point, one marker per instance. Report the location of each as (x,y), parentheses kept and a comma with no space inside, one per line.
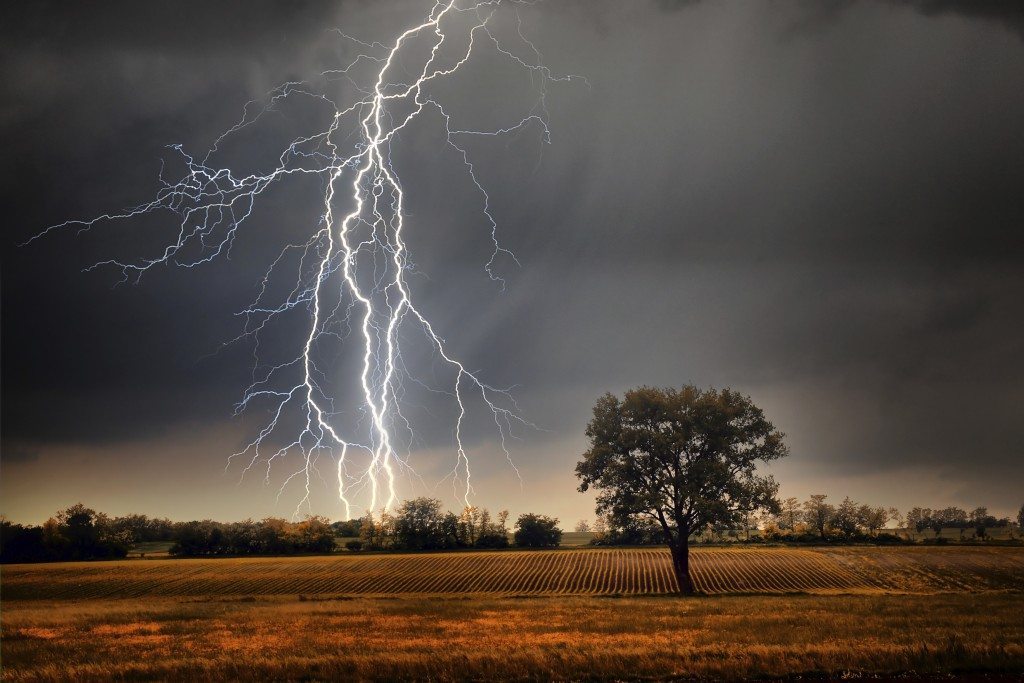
(488,637)
(519,615)
(560,572)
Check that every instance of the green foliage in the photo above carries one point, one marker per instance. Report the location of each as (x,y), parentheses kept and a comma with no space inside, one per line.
(818,514)
(271,536)
(537,531)
(348,528)
(76,533)
(845,519)
(419,525)
(632,530)
(492,538)
(684,458)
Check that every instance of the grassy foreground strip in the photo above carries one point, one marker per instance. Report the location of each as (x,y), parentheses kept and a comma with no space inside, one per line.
(509,638)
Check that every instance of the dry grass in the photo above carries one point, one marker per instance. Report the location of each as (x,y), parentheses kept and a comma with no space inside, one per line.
(518,615)
(506,638)
(565,572)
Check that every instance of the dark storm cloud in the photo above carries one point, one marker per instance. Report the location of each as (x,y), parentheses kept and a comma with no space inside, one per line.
(93,94)
(816,203)
(1008,12)
(819,12)
(213,27)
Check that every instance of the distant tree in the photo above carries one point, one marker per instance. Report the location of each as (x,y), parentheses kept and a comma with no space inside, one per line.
(936,522)
(493,537)
(872,518)
(489,534)
(770,530)
(953,517)
(377,534)
(80,533)
(20,543)
(863,515)
(272,533)
(633,530)
(354,545)
(142,528)
(918,519)
(895,517)
(846,517)
(313,535)
(197,538)
(347,528)
(818,513)
(790,514)
(582,527)
(78,526)
(978,514)
(683,458)
(979,519)
(503,520)
(469,526)
(136,526)
(537,531)
(484,523)
(418,525)
(245,538)
(450,530)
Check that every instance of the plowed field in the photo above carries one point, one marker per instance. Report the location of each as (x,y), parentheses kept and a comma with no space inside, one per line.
(566,572)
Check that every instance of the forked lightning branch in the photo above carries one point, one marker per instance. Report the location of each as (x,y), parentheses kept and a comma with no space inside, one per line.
(353,267)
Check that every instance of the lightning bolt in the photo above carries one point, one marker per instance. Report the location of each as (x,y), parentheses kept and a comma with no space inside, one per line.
(355,259)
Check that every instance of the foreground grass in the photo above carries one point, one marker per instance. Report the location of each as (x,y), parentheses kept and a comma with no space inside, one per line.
(508,638)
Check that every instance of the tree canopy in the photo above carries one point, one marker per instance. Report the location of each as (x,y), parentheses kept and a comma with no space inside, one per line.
(685,458)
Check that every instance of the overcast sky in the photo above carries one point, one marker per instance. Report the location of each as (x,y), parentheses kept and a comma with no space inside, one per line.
(817,203)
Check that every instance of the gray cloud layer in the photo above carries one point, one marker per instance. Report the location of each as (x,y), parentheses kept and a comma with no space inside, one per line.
(819,205)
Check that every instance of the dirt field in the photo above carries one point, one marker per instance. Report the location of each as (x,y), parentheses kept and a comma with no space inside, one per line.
(567,572)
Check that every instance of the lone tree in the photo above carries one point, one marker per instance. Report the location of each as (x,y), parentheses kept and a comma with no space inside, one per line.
(684,457)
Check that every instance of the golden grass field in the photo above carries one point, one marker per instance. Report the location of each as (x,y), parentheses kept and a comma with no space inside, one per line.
(567,614)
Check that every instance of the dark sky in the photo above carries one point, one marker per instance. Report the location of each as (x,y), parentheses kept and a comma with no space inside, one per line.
(819,204)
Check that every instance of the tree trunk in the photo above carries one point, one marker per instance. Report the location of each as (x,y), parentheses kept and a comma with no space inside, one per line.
(681,565)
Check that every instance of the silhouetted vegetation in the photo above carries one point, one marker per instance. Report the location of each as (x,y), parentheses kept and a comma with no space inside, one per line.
(537,531)
(816,521)
(80,533)
(271,536)
(681,458)
(347,529)
(76,533)
(420,524)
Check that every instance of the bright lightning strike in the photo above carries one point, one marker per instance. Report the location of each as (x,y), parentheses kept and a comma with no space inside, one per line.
(353,268)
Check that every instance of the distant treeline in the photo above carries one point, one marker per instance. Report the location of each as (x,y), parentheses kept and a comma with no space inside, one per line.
(420,524)
(80,533)
(813,521)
